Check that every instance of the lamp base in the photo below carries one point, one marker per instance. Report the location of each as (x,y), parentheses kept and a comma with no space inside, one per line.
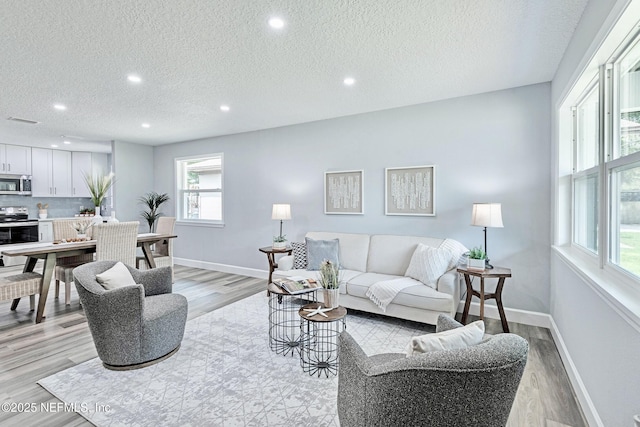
(487,265)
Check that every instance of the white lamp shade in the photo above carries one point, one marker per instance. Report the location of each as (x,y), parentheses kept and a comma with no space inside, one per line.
(487,215)
(281,212)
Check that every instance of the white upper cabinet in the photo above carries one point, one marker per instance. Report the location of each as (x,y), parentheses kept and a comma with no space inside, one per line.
(15,159)
(80,166)
(52,173)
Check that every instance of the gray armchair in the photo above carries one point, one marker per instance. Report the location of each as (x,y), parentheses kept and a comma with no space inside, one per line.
(132,326)
(475,386)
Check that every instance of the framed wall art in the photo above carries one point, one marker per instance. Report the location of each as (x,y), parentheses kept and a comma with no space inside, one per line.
(410,191)
(343,192)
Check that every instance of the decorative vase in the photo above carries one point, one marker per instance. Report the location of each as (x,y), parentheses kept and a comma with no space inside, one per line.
(475,264)
(97,219)
(330,297)
(82,236)
(280,245)
(42,213)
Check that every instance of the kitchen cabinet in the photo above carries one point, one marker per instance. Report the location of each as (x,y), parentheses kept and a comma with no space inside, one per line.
(52,173)
(86,163)
(45,231)
(15,159)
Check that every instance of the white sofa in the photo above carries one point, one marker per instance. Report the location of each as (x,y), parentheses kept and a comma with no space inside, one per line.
(367,259)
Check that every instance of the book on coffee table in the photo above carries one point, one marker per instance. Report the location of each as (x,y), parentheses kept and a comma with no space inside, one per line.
(296,284)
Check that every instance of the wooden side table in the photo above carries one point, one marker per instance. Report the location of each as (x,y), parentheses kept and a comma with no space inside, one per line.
(499,273)
(271,253)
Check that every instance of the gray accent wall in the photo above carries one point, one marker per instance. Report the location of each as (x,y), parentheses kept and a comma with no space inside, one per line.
(133,168)
(492,147)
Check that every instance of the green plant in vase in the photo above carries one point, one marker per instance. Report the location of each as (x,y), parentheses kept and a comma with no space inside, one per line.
(152,201)
(98,186)
(329,279)
(476,259)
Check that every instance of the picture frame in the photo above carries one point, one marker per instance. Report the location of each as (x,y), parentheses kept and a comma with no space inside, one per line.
(410,191)
(344,192)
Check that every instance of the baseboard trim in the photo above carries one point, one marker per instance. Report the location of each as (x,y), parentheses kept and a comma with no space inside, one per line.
(588,408)
(532,318)
(225,268)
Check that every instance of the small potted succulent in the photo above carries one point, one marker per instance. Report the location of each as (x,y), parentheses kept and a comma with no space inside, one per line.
(280,242)
(476,259)
(330,281)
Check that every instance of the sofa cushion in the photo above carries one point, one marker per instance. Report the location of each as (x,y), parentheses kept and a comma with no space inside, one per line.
(418,296)
(392,254)
(299,255)
(453,339)
(428,264)
(321,250)
(354,248)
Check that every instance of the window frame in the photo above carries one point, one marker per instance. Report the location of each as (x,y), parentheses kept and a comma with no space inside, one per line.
(179,179)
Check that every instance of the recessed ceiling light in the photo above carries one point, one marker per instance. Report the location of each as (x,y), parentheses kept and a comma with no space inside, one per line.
(275,22)
(54,145)
(67,142)
(349,81)
(60,107)
(224,108)
(133,78)
(146,125)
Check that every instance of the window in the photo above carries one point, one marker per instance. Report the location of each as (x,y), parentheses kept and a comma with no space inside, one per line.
(606,165)
(199,181)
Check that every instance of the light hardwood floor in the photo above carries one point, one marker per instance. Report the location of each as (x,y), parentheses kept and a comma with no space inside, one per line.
(29,352)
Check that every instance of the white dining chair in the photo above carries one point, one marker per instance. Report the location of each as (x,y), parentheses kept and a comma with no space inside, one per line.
(163,252)
(63,272)
(116,241)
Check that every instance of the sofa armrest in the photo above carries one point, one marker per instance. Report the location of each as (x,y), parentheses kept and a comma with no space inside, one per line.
(285,263)
(448,283)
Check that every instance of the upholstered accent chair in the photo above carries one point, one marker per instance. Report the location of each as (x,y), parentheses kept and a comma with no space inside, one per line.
(63,272)
(132,326)
(474,386)
(116,241)
(163,252)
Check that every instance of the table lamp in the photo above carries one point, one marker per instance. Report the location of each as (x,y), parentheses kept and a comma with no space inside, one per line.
(281,212)
(487,215)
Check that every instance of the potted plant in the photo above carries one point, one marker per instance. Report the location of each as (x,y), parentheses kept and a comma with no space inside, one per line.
(476,259)
(152,201)
(330,281)
(42,210)
(98,186)
(280,242)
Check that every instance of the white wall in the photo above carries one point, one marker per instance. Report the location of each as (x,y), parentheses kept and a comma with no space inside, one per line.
(602,344)
(492,147)
(133,168)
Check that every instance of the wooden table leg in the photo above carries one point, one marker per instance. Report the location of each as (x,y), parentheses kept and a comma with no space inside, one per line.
(482,298)
(467,302)
(148,255)
(498,297)
(47,274)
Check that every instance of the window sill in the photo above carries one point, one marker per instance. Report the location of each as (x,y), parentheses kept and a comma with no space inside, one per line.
(620,291)
(210,224)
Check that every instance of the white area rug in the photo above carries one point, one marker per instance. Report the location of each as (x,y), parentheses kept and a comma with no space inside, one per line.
(223,375)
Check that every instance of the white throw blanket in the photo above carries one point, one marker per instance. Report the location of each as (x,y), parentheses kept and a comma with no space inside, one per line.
(382,293)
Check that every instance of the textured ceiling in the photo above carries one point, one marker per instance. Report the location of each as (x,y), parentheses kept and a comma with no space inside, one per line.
(194,55)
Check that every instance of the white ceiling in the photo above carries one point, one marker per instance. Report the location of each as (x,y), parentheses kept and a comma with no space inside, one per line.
(194,55)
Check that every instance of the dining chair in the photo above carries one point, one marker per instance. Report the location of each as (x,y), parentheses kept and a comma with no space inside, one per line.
(116,241)
(63,272)
(163,252)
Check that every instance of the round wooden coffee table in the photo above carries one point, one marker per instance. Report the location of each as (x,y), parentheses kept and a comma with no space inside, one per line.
(319,338)
(284,324)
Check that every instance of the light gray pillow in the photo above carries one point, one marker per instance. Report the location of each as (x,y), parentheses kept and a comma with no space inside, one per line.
(117,276)
(320,250)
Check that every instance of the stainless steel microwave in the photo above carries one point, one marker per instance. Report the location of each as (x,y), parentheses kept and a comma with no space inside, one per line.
(15,184)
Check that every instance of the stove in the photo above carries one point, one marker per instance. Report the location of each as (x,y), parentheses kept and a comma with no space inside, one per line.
(16,227)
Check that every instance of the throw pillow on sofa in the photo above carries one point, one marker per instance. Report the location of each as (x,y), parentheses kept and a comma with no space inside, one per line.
(453,339)
(320,250)
(299,255)
(428,264)
(117,276)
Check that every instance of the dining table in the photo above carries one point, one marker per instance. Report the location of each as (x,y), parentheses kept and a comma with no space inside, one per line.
(50,252)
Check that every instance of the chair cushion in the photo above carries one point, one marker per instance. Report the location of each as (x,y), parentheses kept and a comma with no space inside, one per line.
(428,264)
(453,339)
(115,277)
(320,250)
